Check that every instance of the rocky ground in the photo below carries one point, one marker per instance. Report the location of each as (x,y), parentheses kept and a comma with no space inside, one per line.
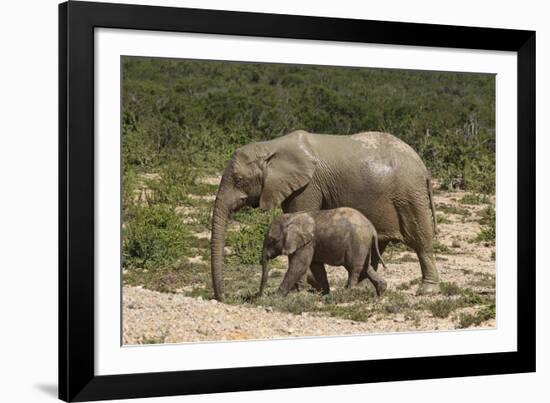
(466,264)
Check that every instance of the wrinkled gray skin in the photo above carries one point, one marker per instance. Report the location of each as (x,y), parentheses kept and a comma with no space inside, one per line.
(375,173)
(338,237)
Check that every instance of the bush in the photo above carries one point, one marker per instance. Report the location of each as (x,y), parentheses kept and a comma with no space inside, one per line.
(153,236)
(176,179)
(484,314)
(474,199)
(443,307)
(488,220)
(247,242)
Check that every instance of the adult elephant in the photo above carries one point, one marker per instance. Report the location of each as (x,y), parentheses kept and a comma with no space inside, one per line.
(373,172)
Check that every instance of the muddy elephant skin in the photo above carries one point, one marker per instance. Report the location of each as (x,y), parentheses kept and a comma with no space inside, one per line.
(338,237)
(372,172)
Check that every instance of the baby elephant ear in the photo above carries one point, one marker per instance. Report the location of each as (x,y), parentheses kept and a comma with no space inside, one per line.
(288,166)
(298,232)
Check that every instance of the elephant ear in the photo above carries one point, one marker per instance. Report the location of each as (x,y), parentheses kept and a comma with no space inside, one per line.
(288,167)
(298,232)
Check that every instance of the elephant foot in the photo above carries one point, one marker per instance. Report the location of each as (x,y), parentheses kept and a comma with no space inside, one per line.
(428,288)
(381,288)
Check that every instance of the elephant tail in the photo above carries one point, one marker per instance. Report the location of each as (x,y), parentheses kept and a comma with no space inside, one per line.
(375,242)
(432,204)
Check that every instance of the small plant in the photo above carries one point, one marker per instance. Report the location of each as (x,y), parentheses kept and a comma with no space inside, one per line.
(487,235)
(171,187)
(450,209)
(474,199)
(169,278)
(440,247)
(153,236)
(347,295)
(395,302)
(484,280)
(488,221)
(408,284)
(413,316)
(487,215)
(441,219)
(160,339)
(450,289)
(393,249)
(294,302)
(486,313)
(443,307)
(355,312)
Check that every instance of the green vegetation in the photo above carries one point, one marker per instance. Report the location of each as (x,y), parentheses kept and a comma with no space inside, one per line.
(450,209)
(441,308)
(485,313)
(474,199)
(488,221)
(450,289)
(457,297)
(441,219)
(247,242)
(153,236)
(197,112)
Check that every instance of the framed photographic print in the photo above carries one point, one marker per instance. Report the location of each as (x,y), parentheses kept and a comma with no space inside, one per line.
(258,201)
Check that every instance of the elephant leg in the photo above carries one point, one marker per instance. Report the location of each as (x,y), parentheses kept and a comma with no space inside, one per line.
(298,264)
(318,279)
(430,276)
(363,278)
(418,232)
(353,274)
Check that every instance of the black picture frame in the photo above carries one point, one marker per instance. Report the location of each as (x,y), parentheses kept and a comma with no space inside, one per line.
(77,21)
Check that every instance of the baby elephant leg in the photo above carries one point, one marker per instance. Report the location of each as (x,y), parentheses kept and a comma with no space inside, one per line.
(353,276)
(319,279)
(298,263)
(379,283)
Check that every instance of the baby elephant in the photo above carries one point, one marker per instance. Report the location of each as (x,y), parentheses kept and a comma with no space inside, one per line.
(338,237)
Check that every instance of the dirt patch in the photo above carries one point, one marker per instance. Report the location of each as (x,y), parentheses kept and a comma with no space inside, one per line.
(213,180)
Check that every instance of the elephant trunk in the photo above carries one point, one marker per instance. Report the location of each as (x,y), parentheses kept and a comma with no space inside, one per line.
(228,200)
(220,216)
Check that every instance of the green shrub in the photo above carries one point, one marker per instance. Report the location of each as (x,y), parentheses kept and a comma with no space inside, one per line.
(395,302)
(450,289)
(174,184)
(440,247)
(488,231)
(153,236)
(450,209)
(443,307)
(294,302)
(484,314)
(474,199)
(247,242)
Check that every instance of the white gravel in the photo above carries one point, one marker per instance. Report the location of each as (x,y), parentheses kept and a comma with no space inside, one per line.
(154,317)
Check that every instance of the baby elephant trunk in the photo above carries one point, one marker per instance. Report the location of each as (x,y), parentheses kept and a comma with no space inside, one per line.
(265,272)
